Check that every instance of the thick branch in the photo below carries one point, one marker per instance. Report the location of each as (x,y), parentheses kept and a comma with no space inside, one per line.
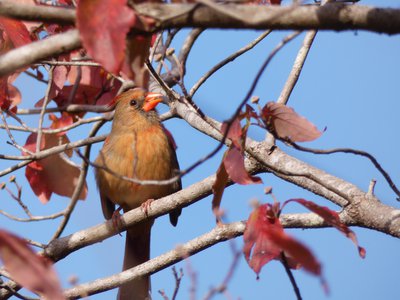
(332,16)
(215,236)
(48,14)
(329,17)
(39,50)
(362,208)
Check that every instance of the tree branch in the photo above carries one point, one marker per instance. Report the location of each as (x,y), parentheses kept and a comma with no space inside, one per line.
(48,14)
(219,234)
(332,16)
(28,54)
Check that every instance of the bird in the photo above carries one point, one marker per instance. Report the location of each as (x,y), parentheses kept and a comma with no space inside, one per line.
(138,147)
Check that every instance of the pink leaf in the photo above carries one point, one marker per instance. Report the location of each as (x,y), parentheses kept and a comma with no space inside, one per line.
(53,174)
(265,240)
(16,32)
(28,269)
(332,218)
(234,165)
(103,25)
(286,123)
(221,179)
(235,133)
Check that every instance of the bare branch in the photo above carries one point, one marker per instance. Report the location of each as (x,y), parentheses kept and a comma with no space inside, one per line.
(297,67)
(219,234)
(55,150)
(291,277)
(48,14)
(26,55)
(80,183)
(355,152)
(43,109)
(32,218)
(75,108)
(227,60)
(332,16)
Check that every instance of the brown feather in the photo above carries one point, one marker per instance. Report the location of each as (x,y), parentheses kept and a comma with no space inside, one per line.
(137,147)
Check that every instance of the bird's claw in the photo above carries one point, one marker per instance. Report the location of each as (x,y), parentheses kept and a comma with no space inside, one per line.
(146,206)
(116,220)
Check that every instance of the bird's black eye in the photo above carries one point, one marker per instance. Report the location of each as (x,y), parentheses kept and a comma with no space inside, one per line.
(133,103)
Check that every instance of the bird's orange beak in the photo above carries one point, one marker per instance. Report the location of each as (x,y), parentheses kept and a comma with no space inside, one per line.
(151,101)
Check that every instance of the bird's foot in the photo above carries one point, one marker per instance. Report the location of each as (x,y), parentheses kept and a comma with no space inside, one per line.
(116,220)
(146,206)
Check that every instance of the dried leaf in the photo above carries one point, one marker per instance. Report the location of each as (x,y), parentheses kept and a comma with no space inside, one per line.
(15,31)
(284,122)
(221,179)
(138,49)
(65,120)
(235,133)
(103,26)
(10,96)
(265,240)
(29,269)
(53,174)
(332,218)
(234,165)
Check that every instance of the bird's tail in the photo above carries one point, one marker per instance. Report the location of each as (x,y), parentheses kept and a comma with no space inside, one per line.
(137,251)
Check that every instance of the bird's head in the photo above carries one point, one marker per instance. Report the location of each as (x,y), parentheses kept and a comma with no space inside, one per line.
(136,107)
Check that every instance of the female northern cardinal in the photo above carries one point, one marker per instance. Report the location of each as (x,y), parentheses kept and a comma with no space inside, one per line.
(137,147)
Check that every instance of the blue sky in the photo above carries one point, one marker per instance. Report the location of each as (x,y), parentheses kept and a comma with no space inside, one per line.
(349,84)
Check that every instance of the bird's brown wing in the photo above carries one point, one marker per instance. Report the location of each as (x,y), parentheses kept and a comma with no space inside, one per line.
(177,185)
(107,206)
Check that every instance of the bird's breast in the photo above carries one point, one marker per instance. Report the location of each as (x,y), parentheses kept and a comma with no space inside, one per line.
(142,155)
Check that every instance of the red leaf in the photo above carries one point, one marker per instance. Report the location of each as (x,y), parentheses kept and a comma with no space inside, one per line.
(27,268)
(65,120)
(234,165)
(265,240)
(286,123)
(9,94)
(84,94)
(221,179)
(235,133)
(257,249)
(53,174)
(15,31)
(60,73)
(137,53)
(103,25)
(332,218)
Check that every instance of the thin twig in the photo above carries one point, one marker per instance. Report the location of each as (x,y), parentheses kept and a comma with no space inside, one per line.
(291,277)
(80,183)
(31,74)
(10,135)
(227,60)
(127,178)
(57,130)
(224,284)
(163,48)
(32,218)
(355,152)
(297,67)
(51,151)
(178,279)
(187,47)
(68,63)
(18,197)
(286,40)
(43,109)
(67,108)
